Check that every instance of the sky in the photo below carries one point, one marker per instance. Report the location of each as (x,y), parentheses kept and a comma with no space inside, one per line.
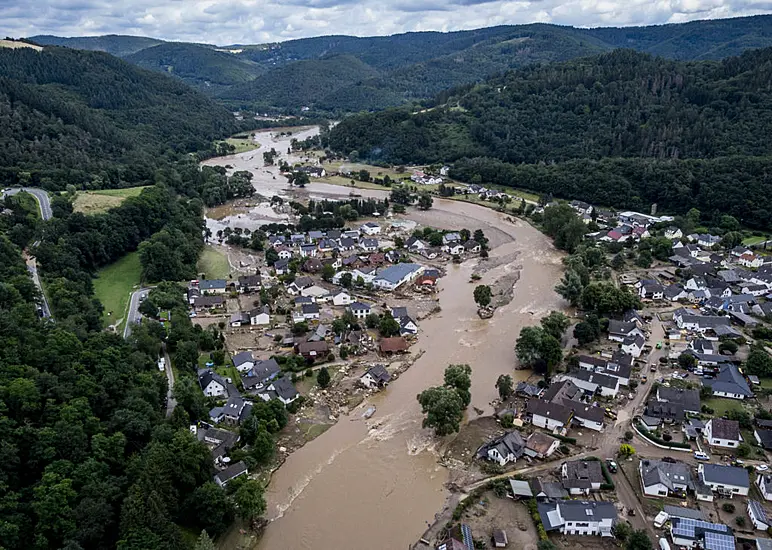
(225,22)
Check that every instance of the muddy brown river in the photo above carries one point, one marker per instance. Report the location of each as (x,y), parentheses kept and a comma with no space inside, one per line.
(379,488)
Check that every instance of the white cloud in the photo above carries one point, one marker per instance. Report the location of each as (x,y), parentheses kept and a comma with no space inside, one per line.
(252,21)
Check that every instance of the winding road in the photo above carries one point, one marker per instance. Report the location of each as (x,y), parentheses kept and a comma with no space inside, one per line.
(44,204)
(133,315)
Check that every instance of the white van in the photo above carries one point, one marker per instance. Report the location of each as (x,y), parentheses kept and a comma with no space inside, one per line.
(664,544)
(660,520)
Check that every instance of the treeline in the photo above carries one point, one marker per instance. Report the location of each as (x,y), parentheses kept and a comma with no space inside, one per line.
(621,129)
(94,121)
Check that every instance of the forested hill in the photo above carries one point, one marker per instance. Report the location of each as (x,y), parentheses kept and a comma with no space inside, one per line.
(114,44)
(411,66)
(567,119)
(90,119)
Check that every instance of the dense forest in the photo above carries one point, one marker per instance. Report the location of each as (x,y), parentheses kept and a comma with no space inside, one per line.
(621,129)
(408,67)
(95,121)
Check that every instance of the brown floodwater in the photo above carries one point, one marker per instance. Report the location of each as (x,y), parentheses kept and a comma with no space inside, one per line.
(380,488)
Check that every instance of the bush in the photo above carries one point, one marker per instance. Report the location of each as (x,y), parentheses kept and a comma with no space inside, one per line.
(652,437)
(728,507)
(507,421)
(628,435)
(277,338)
(330,357)
(309,373)
(740,521)
(564,439)
(667,437)
(294,407)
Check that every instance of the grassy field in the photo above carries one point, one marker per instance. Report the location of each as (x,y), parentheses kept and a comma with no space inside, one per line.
(213,264)
(12,44)
(114,284)
(720,406)
(750,241)
(242,144)
(96,202)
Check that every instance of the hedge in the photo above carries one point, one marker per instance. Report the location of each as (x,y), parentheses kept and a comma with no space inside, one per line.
(655,439)
(564,439)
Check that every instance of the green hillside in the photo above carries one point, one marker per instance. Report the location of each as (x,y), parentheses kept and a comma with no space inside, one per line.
(93,120)
(553,128)
(114,44)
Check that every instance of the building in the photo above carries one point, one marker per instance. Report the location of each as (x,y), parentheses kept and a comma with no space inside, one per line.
(250,283)
(213,286)
(281,389)
(688,400)
(541,445)
(550,416)
(395,276)
(564,392)
(548,489)
(370,228)
(577,517)
(729,383)
(204,303)
(588,417)
(212,384)
(633,345)
(720,432)
(342,299)
(726,481)
(310,312)
(593,382)
(758,515)
(375,377)
(230,473)
(359,309)
(239,319)
(397,344)
(243,361)
(691,533)
(581,476)
(313,350)
(663,479)
(618,366)
(220,442)
(764,483)
(260,316)
(619,330)
(503,450)
(260,375)
(764,438)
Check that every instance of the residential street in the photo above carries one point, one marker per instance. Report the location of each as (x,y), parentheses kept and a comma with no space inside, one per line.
(170,401)
(133,315)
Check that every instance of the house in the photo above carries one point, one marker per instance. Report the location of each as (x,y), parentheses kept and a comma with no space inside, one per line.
(548,489)
(589,417)
(620,370)
(281,389)
(577,517)
(313,350)
(758,515)
(633,345)
(310,312)
(342,299)
(525,389)
(308,251)
(220,442)
(707,241)
(388,346)
(284,254)
(230,413)
(593,382)
(726,481)
(688,320)
(375,377)
(764,483)
(541,445)
(407,327)
(618,331)
(212,384)
(663,479)
(312,265)
(764,438)
(299,284)
(414,244)
(281,266)
(503,450)
(395,276)
(260,316)
(243,361)
(213,286)
(720,432)
(359,310)
(230,473)
(239,319)
(314,172)
(500,538)
(260,375)
(454,249)
(689,533)
(673,233)
(652,291)
(688,399)
(669,412)
(729,383)
(249,283)
(316,293)
(370,228)
(750,260)
(581,476)
(204,303)
(675,293)
(369,245)
(472,247)
(564,392)
(550,416)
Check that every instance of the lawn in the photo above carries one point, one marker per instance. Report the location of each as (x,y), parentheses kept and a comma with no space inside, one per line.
(721,406)
(242,144)
(96,202)
(750,241)
(213,264)
(114,284)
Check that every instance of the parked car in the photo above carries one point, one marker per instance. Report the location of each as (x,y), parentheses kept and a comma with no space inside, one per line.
(762,468)
(612,466)
(699,455)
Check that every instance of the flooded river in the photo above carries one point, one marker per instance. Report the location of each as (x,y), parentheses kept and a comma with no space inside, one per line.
(353,487)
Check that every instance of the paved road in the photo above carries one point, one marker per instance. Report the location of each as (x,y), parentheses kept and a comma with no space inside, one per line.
(133,315)
(170,401)
(44,202)
(33,270)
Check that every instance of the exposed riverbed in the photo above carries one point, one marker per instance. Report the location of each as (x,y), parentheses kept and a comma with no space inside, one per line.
(356,487)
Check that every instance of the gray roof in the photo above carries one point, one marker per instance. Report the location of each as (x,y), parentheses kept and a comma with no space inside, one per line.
(593,414)
(520,488)
(758,510)
(509,443)
(354,306)
(284,388)
(243,357)
(205,376)
(563,390)
(582,474)
(379,373)
(310,308)
(231,471)
(664,410)
(548,410)
(575,510)
(548,489)
(679,512)
(209,284)
(529,390)
(666,473)
(766,438)
(725,475)
(723,428)
(594,378)
(763,544)
(689,399)
(395,273)
(729,380)
(621,327)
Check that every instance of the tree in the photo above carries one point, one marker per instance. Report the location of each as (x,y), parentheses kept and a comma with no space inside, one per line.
(505,386)
(743,450)
(759,362)
(458,377)
(535,345)
(618,262)
(626,450)
(570,287)
(388,326)
(479,236)
(687,361)
(263,446)
(555,324)
(644,259)
(271,256)
(638,540)
(249,500)
(204,542)
(588,330)
(443,408)
(622,531)
(323,377)
(425,201)
(603,297)
(209,507)
(732,239)
(328,272)
(546,545)
(346,280)
(401,195)
(482,295)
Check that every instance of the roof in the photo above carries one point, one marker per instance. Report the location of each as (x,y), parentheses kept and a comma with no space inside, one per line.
(729,380)
(206,376)
(594,378)
(231,471)
(284,388)
(548,489)
(308,347)
(520,488)
(529,390)
(668,474)
(621,327)
(310,308)
(396,273)
(689,399)
(582,474)
(558,391)
(250,280)
(574,510)
(725,475)
(260,372)
(721,428)
(379,373)
(661,409)
(758,511)
(587,412)
(209,284)
(540,442)
(763,544)
(359,306)
(679,512)
(545,409)
(766,438)
(243,357)
(393,344)
(509,443)
(693,529)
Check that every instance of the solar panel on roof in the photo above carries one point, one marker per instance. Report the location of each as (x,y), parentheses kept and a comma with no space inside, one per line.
(717,541)
(687,527)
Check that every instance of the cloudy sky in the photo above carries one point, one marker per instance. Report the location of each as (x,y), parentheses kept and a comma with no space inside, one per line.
(253,21)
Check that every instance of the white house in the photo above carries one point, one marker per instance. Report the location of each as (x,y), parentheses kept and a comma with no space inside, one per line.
(576,517)
(673,233)
(503,450)
(375,377)
(342,299)
(764,483)
(550,416)
(662,479)
(750,260)
(243,361)
(758,515)
(593,382)
(579,477)
(316,292)
(720,432)
(370,228)
(281,389)
(212,384)
(726,481)
(589,417)
(633,345)
(453,248)
(541,445)
(285,254)
(310,312)
(396,275)
(359,309)
(260,316)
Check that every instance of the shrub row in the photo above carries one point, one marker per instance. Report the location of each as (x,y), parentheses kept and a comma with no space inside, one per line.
(655,439)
